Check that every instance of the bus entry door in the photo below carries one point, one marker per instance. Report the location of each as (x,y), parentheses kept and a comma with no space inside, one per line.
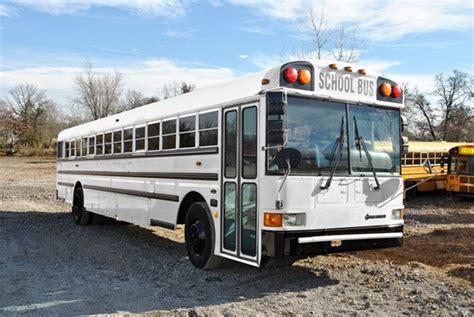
(239,237)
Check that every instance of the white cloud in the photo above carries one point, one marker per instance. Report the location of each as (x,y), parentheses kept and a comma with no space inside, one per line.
(424,82)
(6,11)
(179,34)
(376,20)
(148,77)
(162,8)
(243,56)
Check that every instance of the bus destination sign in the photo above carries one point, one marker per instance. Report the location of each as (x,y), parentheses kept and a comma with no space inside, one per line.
(346,84)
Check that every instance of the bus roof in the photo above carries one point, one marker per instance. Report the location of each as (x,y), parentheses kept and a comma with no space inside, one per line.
(234,90)
(431,146)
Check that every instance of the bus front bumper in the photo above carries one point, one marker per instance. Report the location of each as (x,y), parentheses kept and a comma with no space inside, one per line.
(295,244)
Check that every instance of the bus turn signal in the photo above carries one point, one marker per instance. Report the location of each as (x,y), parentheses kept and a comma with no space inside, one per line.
(273,219)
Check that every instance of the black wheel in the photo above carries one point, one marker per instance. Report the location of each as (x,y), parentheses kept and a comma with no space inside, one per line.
(199,237)
(81,216)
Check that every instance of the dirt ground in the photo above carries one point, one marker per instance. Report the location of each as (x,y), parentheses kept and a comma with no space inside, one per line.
(49,266)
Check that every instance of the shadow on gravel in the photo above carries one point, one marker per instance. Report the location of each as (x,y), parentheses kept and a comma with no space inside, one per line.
(453,218)
(438,248)
(49,266)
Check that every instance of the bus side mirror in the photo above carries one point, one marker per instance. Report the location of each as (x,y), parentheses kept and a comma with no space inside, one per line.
(276,119)
(404,122)
(404,145)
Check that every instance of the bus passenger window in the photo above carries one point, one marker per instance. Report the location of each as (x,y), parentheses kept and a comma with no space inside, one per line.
(67,149)
(78,147)
(169,134)
(128,140)
(154,136)
(73,148)
(118,142)
(91,145)
(108,143)
(99,149)
(84,147)
(187,134)
(208,128)
(59,152)
(139,139)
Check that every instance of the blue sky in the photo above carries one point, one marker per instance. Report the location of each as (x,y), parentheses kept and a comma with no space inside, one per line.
(45,42)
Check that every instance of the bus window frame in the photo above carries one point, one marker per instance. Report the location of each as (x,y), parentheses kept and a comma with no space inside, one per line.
(145,144)
(178,139)
(128,140)
(169,134)
(89,145)
(121,141)
(111,142)
(217,128)
(155,136)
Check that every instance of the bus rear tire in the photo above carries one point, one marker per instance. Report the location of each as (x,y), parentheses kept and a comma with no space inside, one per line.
(81,216)
(199,236)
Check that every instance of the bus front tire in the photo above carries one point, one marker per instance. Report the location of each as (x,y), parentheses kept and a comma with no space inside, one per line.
(199,236)
(81,216)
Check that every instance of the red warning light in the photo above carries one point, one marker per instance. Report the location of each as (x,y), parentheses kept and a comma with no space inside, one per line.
(396,91)
(291,74)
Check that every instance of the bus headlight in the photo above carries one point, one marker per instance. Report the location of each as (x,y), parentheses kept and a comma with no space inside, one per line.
(397,214)
(294,220)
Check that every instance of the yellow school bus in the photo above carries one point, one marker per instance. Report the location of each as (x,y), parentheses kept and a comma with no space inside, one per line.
(461,170)
(412,166)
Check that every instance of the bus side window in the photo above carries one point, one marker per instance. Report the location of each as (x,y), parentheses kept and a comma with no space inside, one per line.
(208,128)
(99,144)
(139,139)
(67,149)
(91,145)
(78,147)
(128,140)
(187,132)
(59,152)
(108,143)
(84,146)
(154,136)
(73,148)
(169,134)
(118,142)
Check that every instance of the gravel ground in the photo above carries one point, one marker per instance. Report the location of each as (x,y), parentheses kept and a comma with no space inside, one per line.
(49,266)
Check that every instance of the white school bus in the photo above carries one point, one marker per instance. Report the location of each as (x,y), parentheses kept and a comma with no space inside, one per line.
(300,159)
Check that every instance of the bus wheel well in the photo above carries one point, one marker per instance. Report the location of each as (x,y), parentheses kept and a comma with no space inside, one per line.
(188,200)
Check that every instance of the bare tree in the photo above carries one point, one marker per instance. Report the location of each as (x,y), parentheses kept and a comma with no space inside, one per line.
(174,88)
(30,109)
(347,44)
(416,103)
(454,92)
(342,43)
(318,29)
(99,94)
(134,99)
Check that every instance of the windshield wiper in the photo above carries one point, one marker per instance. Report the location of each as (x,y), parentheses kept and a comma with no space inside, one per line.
(337,145)
(360,141)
